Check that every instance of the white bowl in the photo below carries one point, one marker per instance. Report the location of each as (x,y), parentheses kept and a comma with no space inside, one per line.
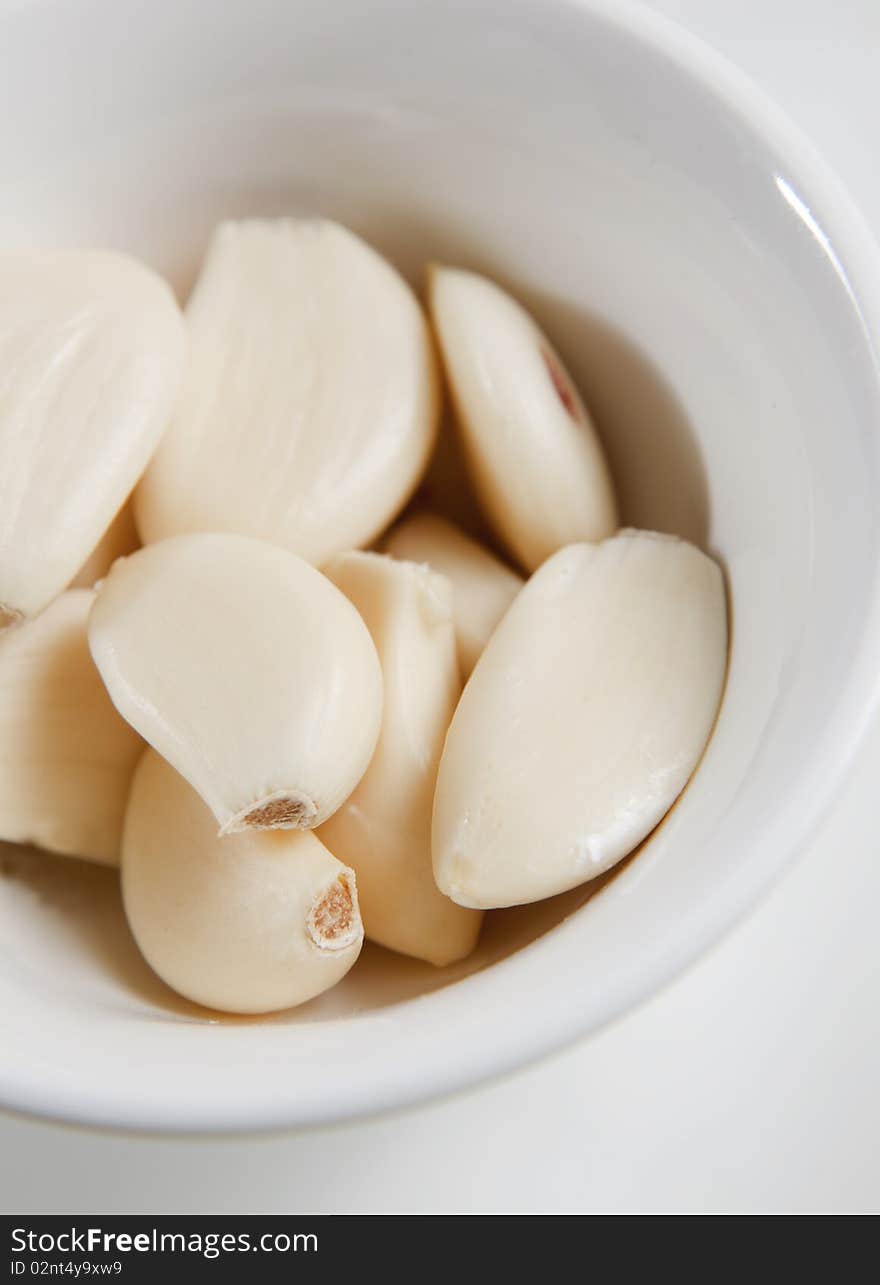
(717,298)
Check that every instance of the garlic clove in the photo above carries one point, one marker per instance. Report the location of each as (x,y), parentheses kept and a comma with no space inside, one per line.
(483,587)
(311,401)
(247,670)
(91,349)
(248,924)
(583,721)
(535,460)
(118,541)
(67,756)
(384,829)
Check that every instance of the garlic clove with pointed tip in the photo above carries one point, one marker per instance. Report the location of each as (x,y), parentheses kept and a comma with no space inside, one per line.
(248,924)
(311,400)
(383,830)
(535,460)
(247,670)
(583,721)
(92,347)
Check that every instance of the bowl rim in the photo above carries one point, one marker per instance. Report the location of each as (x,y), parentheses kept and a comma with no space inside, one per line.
(505,1043)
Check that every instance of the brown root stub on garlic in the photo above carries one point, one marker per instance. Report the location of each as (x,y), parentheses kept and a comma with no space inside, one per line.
(92,348)
(596,696)
(333,921)
(535,461)
(283,812)
(312,394)
(67,756)
(384,829)
(247,670)
(251,923)
(482,586)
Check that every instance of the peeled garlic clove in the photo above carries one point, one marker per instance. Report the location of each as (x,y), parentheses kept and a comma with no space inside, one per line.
(583,721)
(384,829)
(91,352)
(483,587)
(311,400)
(67,756)
(536,463)
(247,670)
(248,924)
(120,539)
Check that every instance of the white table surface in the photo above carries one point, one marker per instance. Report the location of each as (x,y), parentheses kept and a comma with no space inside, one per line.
(753,1083)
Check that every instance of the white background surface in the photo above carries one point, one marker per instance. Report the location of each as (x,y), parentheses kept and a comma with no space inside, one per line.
(751,1084)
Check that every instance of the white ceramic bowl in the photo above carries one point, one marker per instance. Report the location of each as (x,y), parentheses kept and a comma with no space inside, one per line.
(718,299)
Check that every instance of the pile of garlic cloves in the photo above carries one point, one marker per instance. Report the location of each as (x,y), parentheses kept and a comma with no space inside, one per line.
(241,661)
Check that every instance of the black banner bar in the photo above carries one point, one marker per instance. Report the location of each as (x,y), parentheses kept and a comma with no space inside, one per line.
(92,1247)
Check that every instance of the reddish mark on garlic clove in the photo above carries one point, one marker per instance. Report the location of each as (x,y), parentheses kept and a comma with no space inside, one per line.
(561,384)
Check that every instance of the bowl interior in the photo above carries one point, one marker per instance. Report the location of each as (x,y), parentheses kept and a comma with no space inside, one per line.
(680,261)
